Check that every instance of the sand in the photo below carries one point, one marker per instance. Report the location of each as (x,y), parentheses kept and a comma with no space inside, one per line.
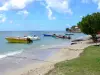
(66,53)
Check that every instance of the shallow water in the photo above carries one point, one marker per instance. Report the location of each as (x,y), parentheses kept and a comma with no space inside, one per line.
(7,49)
(14,56)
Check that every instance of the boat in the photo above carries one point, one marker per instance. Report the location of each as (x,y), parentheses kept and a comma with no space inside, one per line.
(60,36)
(18,39)
(47,34)
(34,37)
(63,37)
(69,34)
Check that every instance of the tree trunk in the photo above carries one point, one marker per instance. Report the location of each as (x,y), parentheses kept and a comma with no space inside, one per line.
(94,38)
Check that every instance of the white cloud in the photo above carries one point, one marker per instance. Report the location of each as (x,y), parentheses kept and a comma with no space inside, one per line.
(50,14)
(2,18)
(68,25)
(4,7)
(25,12)
(81,16)
(97,2)
(42,3)
(94,1)
(49,11)
(15,4)
(61,6)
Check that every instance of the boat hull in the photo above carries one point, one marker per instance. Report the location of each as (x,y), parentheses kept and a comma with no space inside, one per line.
(69,34)
(18,40)
(47,35)
(33,38)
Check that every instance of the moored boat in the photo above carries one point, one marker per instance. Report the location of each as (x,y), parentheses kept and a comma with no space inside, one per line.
(47,35)
(69,34)
(63,37)
(34,37)
(18,39)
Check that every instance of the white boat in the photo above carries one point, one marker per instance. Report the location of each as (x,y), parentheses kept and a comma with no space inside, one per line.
(34,37)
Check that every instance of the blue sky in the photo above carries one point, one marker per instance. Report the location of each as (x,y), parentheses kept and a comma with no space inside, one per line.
(44,15)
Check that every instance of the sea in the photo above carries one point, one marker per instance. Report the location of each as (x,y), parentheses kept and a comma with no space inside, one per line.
(8,49)
(14,56)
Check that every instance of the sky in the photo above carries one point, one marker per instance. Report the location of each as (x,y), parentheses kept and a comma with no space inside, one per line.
(44,15)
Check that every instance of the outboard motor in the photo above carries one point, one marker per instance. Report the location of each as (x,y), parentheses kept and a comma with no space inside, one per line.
(29,40)
(63,37)
(69,37)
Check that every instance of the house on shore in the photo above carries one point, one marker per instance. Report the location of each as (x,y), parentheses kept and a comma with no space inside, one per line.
(74,29)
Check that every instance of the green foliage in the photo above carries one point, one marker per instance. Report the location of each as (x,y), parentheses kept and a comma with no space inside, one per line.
(90,24)
(73,27)
(67,29)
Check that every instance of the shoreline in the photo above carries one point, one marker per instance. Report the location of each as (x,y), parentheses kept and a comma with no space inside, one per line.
(29,57)
(11,53)
(65,53)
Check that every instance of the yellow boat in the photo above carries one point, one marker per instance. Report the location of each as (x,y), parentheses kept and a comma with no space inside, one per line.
(18,40)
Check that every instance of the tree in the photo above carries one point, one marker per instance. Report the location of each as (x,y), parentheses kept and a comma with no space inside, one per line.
(73,27)
(90,24)
(67,29)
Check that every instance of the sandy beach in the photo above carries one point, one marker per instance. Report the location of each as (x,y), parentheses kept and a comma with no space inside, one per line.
(65,53)
(49,37)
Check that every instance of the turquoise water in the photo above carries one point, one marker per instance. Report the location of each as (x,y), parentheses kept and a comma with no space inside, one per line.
(16,56)
(6,48)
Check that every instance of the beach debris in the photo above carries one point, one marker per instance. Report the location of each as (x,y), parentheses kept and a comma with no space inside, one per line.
(73,43)
(77,40)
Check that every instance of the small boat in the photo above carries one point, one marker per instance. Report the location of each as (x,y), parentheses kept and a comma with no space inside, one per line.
(63,37)
(47,34)
(69,34)
(34,37)
(18,39)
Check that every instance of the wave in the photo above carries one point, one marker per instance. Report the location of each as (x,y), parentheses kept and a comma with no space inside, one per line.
(10,54)
(54,46)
